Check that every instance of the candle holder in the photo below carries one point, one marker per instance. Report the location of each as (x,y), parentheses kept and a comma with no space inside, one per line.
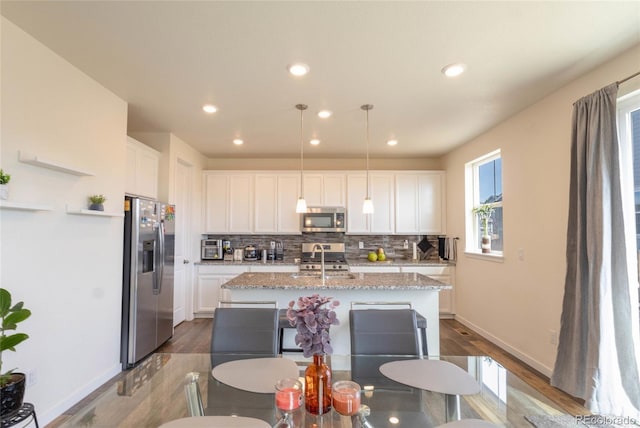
(288,398)
(346,397)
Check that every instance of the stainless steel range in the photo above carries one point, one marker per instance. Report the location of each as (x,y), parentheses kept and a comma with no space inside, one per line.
(334,257)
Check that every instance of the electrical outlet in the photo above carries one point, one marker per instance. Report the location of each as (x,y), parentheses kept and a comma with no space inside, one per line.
(521,254)
(553,337)
(32,377)
(361,245)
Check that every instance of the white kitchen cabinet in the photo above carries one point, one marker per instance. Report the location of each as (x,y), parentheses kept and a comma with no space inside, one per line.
(266,203)
(444,274)
(141,169)
(228,202)
(208,293)
(420,203)
(240,203)
(275,199)
(249,202)
(288,220)
(382,194)
(325,189)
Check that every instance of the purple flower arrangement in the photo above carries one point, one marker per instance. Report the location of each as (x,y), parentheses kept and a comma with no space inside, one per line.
(312,320)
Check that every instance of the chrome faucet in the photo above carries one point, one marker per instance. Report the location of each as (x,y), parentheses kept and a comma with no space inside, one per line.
(313,256)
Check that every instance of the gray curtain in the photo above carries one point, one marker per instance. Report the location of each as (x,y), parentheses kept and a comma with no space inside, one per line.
(597,357)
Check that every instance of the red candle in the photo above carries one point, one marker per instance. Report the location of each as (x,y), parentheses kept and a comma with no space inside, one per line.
(288,399)
(346,397)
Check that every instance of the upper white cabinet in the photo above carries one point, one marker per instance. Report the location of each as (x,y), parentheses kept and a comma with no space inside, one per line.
(420,202)
(141,170)
(276,196)
(382,194)
(229,202)
(325,189)
(405,202)
(288,191)
(248,202)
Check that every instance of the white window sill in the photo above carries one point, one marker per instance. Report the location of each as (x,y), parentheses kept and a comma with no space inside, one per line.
(495,257)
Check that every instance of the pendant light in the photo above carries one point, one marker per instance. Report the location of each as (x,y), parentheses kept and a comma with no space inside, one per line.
(367,207)
(301,206)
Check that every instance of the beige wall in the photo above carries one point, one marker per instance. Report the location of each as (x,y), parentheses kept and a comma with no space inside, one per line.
(517,303)
(66,268)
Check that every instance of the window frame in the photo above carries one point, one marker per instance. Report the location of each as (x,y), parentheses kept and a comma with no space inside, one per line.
(625,106)
(472,195)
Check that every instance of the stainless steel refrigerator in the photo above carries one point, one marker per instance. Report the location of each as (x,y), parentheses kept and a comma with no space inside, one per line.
(147,298)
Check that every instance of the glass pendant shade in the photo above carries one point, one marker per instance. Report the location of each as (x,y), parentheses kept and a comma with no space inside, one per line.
(367,207)
(301,206)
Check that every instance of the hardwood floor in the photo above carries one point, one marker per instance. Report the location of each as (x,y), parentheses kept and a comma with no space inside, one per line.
(455,339)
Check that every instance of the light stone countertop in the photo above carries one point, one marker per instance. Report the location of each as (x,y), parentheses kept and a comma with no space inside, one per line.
(290,261)
(355,281)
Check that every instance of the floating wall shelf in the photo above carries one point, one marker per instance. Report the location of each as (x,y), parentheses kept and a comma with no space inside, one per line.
(7,205)
(32,159)
(93,213)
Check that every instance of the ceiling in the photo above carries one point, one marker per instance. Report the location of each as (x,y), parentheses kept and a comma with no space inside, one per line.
(169,58)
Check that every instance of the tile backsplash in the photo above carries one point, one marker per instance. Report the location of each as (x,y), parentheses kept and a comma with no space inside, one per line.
(392,244)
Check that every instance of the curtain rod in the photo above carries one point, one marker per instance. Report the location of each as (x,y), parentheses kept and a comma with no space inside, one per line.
(628,78)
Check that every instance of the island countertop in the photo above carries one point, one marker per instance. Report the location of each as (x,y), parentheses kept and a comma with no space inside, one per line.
(355,281)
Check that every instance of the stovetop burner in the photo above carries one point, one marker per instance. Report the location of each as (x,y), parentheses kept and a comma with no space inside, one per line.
(334,257)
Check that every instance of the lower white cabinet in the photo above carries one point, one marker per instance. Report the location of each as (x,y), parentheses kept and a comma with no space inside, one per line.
(211,277)
(207,293)
(444,274)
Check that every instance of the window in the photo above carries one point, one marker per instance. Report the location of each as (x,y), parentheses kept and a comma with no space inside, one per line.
(629,132)
(484,187)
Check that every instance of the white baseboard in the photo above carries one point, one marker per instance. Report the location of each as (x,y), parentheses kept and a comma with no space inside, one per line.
(81,393)
(510,349)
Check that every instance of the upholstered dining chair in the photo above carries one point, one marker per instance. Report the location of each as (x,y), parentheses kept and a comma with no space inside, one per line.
(243,333)
(421,321)
(379,336)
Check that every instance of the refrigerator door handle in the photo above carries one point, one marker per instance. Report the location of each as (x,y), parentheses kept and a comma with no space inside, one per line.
(160,262)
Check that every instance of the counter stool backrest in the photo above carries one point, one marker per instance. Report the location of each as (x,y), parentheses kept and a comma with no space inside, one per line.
(384,332)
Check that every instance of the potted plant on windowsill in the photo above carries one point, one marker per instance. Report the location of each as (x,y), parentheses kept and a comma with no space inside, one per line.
(11,384)
(4,185)
(484,212)
(97,202)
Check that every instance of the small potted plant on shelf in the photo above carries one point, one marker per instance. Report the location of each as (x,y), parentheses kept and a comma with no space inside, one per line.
(97,202)
(11,384)
(4,185)
(484,212)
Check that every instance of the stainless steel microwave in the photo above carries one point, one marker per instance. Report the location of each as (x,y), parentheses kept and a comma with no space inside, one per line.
(324,219)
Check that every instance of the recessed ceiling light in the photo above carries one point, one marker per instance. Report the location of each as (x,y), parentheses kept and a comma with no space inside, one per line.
(453,70)
(324,114)
(393,420)
(392,142)
(210,108)
(298,69)
(314,142)
(238,142)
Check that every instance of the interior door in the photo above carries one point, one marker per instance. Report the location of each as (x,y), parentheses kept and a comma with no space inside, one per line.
(182,266)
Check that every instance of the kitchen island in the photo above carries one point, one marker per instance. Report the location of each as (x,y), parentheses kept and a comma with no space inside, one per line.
(420,290)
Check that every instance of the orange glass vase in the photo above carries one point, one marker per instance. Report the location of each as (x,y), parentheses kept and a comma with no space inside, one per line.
(317,386)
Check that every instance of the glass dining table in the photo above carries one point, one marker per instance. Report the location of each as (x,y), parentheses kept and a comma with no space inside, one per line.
(154,393)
